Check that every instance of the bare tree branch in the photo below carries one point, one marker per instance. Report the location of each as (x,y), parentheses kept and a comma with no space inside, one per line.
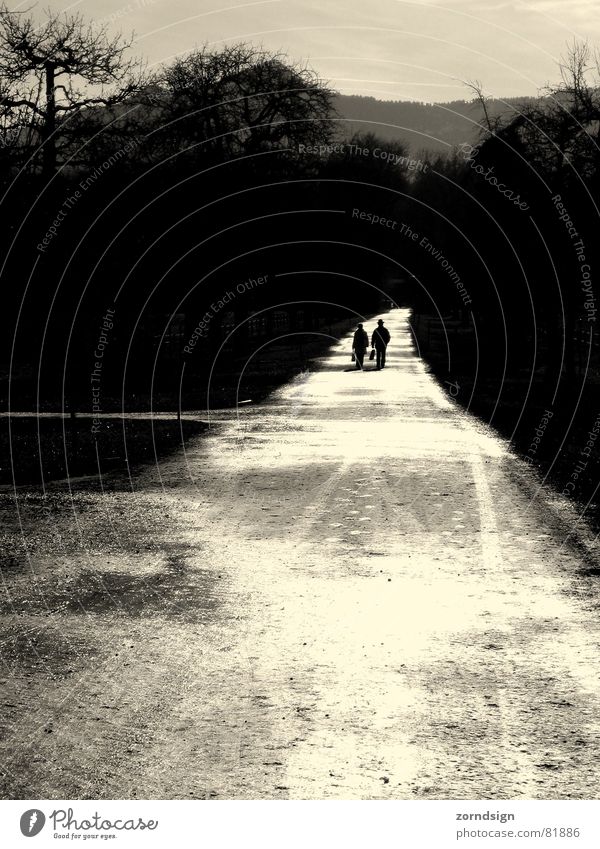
(70,64)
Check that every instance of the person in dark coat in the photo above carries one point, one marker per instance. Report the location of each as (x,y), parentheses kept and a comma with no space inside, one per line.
(360,343)
(380,340)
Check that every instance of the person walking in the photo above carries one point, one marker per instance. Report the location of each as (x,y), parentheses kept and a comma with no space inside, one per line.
(380,340)
(360,343)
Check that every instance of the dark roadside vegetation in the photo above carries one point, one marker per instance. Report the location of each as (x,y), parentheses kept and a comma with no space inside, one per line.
(60,446)
(554,427)
(47,449)
(174,235)
(177,241)
(516,217)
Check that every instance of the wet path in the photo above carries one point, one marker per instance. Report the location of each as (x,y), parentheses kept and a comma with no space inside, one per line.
(345,593)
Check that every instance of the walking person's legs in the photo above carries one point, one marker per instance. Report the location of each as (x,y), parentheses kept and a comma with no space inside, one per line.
(379,357)
(360,356)
(382,357)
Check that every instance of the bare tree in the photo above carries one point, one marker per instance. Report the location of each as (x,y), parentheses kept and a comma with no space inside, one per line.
(557,139)
(559,134)
(491,123)
(51,70)
(240,100)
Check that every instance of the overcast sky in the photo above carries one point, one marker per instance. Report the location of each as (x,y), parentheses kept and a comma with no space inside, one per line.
(392,49)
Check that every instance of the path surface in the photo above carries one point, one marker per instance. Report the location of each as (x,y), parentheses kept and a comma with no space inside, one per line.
(348,593)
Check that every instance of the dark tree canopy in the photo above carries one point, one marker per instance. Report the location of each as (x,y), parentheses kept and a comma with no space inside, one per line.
(238,101)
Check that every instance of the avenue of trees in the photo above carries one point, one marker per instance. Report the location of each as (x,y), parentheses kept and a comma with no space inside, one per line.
(156,193)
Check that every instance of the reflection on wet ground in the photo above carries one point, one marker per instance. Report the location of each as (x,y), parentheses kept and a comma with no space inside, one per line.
(350,591)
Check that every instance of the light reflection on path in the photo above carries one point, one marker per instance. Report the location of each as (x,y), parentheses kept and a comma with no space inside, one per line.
(354,598)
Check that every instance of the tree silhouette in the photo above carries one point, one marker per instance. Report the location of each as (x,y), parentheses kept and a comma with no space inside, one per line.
(53,70)
(237,101)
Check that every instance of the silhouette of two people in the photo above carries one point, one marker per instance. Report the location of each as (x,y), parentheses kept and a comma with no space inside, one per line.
(379,341)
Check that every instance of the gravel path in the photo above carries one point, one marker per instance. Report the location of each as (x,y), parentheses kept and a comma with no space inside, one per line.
(351,591)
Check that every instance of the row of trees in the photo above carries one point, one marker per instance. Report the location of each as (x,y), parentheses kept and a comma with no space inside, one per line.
(68,89)
(211,181)
(162,190)
(517,215)
(518,258)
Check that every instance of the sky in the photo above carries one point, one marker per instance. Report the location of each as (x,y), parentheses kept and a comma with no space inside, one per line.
(389,49)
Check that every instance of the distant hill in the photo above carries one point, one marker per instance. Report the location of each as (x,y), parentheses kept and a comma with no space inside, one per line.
(433,127)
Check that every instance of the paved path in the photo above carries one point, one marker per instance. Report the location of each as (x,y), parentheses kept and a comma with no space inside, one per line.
(346,593)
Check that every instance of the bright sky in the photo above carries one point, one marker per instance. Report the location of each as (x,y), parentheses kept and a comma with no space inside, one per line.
(391,49)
